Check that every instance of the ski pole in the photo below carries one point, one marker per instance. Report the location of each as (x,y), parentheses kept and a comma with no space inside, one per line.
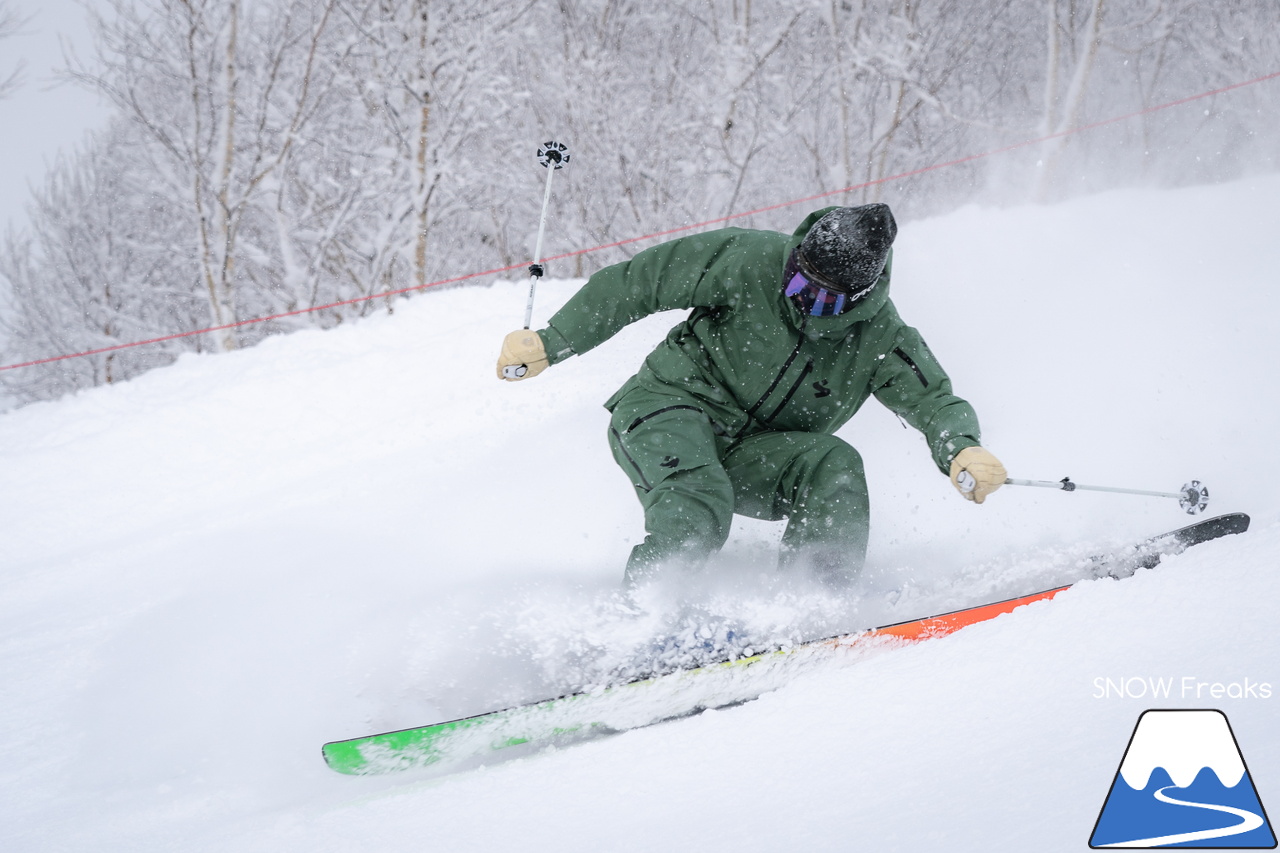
(1193,497)
(553,156)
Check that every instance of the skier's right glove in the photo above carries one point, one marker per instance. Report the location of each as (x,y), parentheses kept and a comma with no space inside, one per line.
(522,356)
(976,473)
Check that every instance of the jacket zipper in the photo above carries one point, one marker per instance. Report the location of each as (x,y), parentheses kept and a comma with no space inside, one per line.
(783,372)
(808,368)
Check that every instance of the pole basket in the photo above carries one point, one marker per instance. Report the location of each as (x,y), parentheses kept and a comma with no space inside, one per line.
(553,155)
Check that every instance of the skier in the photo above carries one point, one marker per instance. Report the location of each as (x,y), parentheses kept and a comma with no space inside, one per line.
(735,410)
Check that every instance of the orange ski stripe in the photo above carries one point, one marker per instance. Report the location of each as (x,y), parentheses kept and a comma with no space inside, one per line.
(940,626)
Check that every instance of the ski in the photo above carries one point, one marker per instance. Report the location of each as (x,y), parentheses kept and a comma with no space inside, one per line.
(645,701)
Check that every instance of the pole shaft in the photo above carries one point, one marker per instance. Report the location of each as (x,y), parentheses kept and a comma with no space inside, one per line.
(537,249)
(1051,484)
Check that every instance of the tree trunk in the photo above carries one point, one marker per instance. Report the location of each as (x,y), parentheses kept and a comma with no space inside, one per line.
(1072,101)
(226,223)
(423,93)
(216,232)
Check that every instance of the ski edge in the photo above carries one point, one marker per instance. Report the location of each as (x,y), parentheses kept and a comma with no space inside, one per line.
(414,747)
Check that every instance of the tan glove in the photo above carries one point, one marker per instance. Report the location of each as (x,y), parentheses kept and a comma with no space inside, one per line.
(522,356)
(976,473)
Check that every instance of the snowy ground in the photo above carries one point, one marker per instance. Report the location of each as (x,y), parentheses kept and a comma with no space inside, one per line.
(212,570)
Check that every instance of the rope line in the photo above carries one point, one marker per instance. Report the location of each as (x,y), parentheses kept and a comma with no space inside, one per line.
(668,232)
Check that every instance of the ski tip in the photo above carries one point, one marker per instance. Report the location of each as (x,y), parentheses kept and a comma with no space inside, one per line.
(1235,522)
(1209,529)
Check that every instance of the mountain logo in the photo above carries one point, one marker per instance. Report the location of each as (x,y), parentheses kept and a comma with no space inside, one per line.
(1183,783)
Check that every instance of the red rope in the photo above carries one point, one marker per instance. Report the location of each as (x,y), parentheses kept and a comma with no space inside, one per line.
(720,220)
(388,294)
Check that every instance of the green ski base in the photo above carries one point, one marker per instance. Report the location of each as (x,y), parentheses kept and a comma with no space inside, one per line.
(644,702)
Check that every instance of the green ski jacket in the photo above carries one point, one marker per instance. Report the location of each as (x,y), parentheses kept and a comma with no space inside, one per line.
(748,357)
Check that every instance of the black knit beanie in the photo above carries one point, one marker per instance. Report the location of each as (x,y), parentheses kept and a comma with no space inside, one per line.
(845,251)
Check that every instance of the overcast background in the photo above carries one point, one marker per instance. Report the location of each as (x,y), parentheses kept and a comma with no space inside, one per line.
(43,117)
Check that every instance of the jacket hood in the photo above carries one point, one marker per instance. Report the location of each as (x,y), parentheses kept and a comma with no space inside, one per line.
(864,309)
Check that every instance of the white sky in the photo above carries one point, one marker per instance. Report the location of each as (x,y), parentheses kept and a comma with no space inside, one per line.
(42,117)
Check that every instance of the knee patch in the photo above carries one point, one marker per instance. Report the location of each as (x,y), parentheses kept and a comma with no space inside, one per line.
(691,508)
(828,467)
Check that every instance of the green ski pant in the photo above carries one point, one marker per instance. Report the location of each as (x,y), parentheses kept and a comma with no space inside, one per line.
(691,481)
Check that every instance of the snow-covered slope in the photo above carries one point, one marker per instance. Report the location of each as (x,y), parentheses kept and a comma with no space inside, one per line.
(208,572)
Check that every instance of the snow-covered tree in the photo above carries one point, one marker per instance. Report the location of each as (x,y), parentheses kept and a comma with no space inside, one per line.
(303,159)
(99,267)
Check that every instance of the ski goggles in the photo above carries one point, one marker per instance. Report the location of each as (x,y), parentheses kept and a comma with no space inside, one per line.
(810,297)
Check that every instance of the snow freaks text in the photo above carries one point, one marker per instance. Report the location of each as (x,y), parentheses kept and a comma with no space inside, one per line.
(1184,687)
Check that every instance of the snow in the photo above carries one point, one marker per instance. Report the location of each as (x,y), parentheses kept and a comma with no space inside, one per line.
(211,570)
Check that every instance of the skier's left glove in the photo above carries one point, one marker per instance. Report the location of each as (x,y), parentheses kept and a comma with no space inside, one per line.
(522,356)
(976,473)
